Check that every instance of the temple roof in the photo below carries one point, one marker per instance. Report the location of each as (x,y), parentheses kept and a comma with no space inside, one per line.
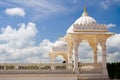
(87,24)
(60,45)
(85,19)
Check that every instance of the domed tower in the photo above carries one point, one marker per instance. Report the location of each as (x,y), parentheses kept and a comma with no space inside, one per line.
(87,28)
(60,47)
(86,24)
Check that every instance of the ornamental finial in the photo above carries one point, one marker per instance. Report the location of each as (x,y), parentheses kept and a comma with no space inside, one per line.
(85,12)
(85,9)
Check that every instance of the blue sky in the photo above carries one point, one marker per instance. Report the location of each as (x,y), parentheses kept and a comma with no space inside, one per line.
(50,19)
(53,20)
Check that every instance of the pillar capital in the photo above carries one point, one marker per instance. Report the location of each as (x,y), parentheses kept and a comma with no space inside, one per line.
(103,45)
(75,43)
(75,40)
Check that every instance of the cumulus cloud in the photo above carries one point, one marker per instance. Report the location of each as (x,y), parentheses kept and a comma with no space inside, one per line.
(18,45)
(85,52)
(111,25)
(114,57)
(20,38)
(15,12)
(113,50)
(114,41)
(29,54)
(38,8)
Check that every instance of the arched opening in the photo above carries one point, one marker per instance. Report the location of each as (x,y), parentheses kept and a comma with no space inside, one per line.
(59,59)
(85,52)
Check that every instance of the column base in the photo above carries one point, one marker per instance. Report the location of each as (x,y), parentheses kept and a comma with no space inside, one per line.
(75,71)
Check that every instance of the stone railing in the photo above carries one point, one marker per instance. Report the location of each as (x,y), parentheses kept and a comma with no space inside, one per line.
(36,68)
(90,68)
(6,68)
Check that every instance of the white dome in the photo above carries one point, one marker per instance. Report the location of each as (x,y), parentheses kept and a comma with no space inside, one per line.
(85,19)
(86,24)
(60,45)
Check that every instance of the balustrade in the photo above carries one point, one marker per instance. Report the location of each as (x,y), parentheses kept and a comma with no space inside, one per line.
(35,68)
(90,67)
(49,68)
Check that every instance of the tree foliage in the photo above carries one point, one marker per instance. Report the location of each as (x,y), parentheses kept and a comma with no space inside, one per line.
(114,70)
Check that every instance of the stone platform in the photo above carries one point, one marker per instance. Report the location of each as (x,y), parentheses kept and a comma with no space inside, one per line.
(52,77)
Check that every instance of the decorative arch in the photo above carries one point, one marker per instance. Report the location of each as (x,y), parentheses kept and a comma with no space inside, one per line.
(83,53)
(54,55)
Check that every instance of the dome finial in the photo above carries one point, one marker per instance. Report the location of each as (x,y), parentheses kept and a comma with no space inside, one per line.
(85,12)
(85,9)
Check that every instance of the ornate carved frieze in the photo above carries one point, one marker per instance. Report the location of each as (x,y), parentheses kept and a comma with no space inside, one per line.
(89,27)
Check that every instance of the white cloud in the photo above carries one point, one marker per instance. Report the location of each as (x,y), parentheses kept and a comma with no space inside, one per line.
(111,25)
(114,57)
(113,50)
(18,45)
(20,38)
(85,52)
(41,8)
(42,5)
(15,12)
(29,54)
(114,41)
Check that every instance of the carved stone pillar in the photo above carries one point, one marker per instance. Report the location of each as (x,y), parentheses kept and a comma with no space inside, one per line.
(52,59)
(104,62)
(75,52)
(52,62)
(95,55)
(93,44)
(70,57)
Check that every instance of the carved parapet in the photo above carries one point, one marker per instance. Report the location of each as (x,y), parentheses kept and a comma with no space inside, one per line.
(89,27)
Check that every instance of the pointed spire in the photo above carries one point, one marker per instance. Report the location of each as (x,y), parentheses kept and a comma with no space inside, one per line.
(85,12)
(85,9)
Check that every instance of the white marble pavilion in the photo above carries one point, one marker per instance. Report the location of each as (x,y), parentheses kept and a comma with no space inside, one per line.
(84,28)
